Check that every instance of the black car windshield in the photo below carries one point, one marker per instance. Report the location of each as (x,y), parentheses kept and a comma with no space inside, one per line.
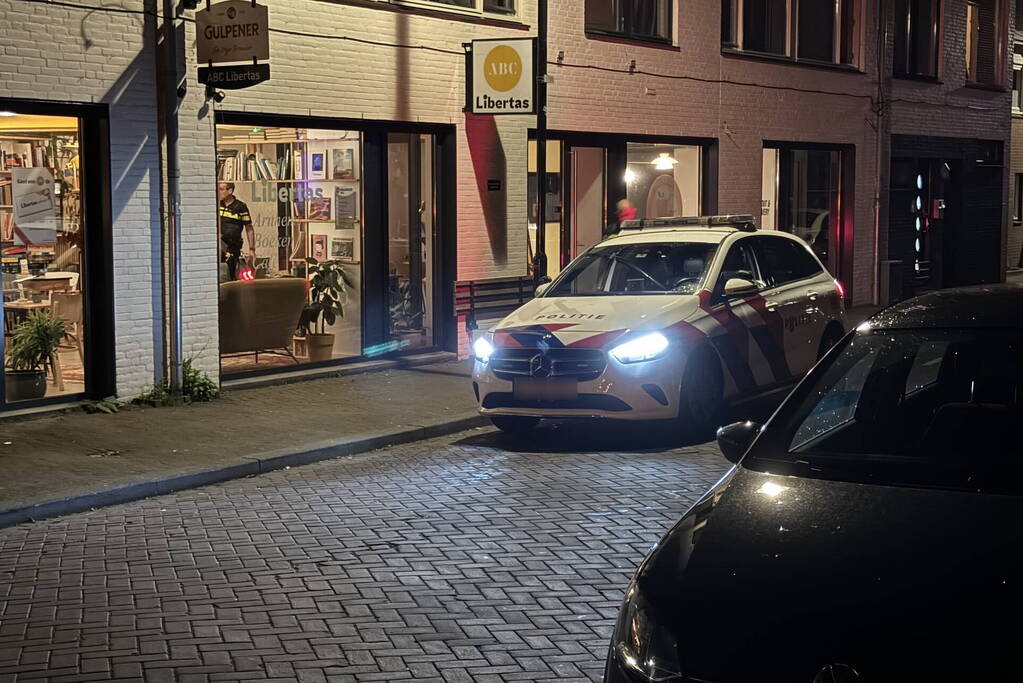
(652,268)
(932,407)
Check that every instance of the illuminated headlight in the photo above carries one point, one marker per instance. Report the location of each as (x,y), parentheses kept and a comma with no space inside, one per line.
(647,347)
(481,349)
(643,646)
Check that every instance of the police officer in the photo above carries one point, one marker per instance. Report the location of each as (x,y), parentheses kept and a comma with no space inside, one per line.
(234,218)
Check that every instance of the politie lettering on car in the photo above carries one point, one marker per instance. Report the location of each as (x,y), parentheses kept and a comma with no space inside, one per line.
(670,319)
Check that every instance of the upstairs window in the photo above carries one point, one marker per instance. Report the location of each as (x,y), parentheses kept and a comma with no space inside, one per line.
(1019,15)
(1017,83)
(985,26)
(916,38)
(806,30)
(501,7)
(632,19)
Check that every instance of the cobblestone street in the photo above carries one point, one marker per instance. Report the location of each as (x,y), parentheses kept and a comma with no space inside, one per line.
(473,557)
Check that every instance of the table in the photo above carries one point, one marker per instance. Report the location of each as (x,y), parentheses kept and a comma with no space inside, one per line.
(16,311)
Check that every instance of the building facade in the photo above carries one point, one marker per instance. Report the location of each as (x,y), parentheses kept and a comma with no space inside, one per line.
(832,123)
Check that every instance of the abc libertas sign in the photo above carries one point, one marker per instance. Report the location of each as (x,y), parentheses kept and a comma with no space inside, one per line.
(502,77)
(232,31)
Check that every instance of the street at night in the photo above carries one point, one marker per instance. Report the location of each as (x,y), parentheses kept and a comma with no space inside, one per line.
(473,557)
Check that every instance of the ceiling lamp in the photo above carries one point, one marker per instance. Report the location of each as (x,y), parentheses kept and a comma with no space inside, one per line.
(663,162)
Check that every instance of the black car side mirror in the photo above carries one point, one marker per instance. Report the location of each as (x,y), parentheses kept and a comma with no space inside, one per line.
(735,439)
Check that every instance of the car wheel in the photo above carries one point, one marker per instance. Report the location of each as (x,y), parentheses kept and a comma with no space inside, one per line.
(701,400)
(513,424)
(832,335)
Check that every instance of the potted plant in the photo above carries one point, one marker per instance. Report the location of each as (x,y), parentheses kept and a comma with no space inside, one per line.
(32,345)
(329,283)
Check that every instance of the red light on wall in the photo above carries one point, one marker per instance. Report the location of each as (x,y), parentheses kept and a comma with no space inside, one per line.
(247,274)
(841,289)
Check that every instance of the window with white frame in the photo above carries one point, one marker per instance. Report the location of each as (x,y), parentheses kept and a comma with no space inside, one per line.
(500,7)
(631,19)
(1017,81)
(806,30)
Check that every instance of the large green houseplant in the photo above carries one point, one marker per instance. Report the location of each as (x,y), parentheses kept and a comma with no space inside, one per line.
(329,282)
(33,344)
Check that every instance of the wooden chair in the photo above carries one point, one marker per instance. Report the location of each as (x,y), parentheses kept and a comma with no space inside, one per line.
(67,306)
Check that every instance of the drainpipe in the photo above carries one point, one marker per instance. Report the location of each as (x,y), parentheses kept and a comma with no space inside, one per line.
(170,90)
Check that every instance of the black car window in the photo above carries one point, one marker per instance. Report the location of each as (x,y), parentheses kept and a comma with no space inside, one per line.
(919,406)
(644,268)
(784,260)
(739,262)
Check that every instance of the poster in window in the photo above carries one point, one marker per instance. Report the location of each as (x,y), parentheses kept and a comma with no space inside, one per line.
(319,247)
(35,220)
(342,249)
(316,166)
(344,208)
(319,209)
(342,164)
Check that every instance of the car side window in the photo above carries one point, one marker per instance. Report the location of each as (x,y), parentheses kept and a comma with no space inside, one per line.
(740,262)
(784,260)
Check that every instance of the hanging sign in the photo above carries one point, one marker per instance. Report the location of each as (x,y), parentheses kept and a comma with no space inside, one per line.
(502,76)
(232,31)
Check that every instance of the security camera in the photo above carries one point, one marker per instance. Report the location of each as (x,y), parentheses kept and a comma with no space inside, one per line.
(214,94)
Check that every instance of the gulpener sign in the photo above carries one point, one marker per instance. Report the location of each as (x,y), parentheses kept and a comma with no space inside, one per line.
(232,31)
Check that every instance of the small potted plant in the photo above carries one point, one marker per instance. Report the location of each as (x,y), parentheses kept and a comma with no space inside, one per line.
(32,345)
(328,286)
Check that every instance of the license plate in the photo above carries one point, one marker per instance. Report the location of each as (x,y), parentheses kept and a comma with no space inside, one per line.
(534,389)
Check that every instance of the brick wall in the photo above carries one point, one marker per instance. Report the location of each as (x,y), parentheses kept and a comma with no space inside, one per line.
(71,55)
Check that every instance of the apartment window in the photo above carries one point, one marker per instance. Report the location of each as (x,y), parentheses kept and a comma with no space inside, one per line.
(1017,204)
(808,30)
(916,38)
(505,7)
(983,42)
(1017,83)
(1019,15)
(636,19)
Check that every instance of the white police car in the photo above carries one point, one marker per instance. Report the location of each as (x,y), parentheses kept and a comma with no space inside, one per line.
(671,318)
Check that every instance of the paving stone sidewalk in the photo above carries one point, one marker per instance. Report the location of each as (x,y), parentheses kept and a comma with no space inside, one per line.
(66,456)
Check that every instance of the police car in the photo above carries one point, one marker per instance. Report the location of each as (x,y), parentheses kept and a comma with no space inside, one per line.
(669,319)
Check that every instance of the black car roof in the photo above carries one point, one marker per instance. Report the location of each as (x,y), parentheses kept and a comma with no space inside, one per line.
(981,306)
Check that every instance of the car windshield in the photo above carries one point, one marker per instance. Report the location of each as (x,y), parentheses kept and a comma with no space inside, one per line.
(649,268)
(937,407)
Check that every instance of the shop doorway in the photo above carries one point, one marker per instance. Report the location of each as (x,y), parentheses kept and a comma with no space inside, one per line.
(411,239)
(589,203)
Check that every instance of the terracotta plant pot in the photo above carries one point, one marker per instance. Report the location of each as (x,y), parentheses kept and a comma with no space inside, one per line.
(321,347)
(24,385)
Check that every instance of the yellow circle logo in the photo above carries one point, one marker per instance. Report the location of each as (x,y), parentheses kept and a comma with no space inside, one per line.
(502,68)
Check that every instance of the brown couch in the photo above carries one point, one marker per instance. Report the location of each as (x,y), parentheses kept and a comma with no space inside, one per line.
(260,315)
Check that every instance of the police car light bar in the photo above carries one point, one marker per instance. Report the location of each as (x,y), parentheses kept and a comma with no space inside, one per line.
(742,221)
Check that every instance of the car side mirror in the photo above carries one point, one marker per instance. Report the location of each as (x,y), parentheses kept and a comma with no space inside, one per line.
(545,282)
(735,439)
(737,286)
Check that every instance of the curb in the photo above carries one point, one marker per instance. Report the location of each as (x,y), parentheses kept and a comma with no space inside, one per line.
(252,466)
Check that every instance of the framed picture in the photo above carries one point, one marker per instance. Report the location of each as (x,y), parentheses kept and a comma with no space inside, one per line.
(342,164)
(316,165)
(319,209)
(344,208)
(319,247)
(342,249)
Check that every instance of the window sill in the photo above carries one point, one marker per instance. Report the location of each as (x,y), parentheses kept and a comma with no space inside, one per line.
(933,80)
(791,61)
(434,11)
(644,41)
(988,87)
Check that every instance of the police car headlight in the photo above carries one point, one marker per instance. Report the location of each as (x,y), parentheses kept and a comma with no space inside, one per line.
(647,347)
(481,350)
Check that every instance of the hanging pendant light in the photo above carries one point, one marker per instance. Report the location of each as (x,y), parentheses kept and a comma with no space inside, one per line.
(663,162)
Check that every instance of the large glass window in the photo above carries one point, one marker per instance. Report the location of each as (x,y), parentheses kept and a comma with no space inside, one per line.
(290,239)
(801,195)
(552,185)
(806,29)
(663,180)
(641,19)
(41,245)
(916,37)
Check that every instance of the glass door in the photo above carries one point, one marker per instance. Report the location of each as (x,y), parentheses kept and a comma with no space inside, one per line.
(588,197)
(411,239)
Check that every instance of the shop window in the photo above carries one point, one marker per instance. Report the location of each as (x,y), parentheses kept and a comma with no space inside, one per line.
(917,25)
(806,29)
(637,19)
(42,247)
(801,193)
(663,180)
(1017,211)
(290,215)
(982,42)
(552,221)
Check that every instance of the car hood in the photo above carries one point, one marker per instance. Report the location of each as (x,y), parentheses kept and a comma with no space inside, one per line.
(593,321)
(775,578)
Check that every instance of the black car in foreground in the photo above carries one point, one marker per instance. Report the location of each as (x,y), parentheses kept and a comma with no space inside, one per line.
(871,530)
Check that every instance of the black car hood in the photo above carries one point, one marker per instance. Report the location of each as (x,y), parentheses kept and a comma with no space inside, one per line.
(773,578)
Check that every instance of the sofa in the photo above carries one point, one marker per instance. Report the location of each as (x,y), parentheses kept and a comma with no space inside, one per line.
(260,315)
